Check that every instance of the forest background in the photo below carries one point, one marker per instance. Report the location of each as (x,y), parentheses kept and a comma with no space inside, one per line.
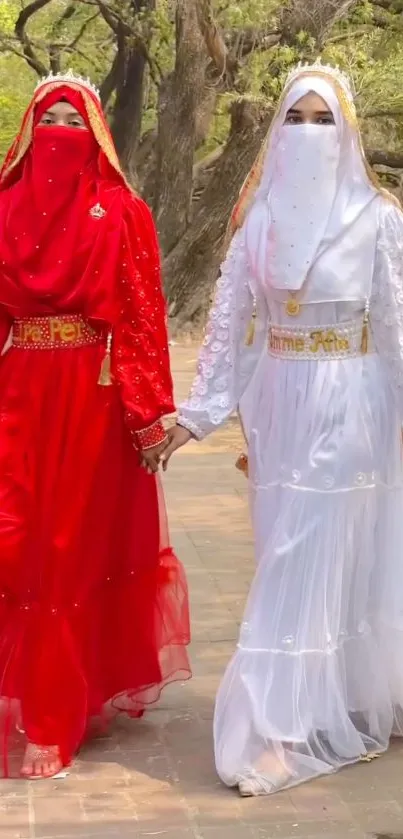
(189,87)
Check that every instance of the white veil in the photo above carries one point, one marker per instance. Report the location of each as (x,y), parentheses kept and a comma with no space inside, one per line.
(285,234)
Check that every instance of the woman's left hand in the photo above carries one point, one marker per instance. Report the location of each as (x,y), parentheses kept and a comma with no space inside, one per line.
(150,458)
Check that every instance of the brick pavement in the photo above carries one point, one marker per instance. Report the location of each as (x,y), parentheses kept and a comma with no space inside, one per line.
(156,778)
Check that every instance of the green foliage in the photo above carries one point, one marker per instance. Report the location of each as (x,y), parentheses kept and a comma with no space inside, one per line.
(92,55)
(245,14)
(368,44)
(8,15)
(15,90)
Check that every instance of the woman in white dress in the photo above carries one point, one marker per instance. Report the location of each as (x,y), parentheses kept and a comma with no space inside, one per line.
(316,259)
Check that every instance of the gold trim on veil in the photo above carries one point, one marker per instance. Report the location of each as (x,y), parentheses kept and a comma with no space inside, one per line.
(95,118)
(254,177)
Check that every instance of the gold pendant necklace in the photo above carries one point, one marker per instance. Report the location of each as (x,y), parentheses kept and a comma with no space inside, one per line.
(292,306)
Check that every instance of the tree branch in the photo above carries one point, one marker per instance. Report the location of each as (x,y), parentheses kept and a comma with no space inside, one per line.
(115,21)
(54,48)
(82,31)
(388,5)
(316,17)
(377,157)
(214,41)
(393,113)
(20,31)
(251,40)
(8,47)
(341,37)
(115,72)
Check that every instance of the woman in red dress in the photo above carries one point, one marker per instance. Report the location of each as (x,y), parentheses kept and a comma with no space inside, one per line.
(93,603)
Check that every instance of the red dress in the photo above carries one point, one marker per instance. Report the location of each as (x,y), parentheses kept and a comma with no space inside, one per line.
(93,602)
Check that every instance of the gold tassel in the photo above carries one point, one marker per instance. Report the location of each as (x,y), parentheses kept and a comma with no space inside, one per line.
(364,335)
(250,335)
(105,374)
(364,339)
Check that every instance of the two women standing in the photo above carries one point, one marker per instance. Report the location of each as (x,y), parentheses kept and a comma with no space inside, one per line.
(93,603)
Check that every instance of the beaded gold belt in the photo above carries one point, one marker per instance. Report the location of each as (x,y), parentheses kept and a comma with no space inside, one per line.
(317,342)
(47,333)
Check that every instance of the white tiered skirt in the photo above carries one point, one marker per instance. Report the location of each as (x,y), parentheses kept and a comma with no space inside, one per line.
(317,679)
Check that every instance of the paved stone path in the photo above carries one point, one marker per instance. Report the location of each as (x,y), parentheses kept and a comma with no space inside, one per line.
(156,778)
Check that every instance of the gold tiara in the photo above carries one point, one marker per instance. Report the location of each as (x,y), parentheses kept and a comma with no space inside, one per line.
(69,78)
(323,70)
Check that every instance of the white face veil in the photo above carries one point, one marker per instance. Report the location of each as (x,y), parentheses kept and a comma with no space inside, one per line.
(313,189)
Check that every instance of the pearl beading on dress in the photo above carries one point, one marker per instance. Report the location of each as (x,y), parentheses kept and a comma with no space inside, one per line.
(148,438)
(314,343)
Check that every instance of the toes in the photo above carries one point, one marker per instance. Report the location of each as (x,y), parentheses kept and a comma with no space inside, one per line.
(46,768)
(54,768)
(37,764)
(38,769)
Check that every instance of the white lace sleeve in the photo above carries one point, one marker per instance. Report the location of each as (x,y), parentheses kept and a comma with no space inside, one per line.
(226,364)
(387,297)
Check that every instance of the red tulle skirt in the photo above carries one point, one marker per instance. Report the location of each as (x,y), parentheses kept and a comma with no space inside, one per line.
(93,603)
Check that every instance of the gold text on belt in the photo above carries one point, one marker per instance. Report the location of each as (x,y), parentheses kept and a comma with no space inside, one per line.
(67,332)
(329,341)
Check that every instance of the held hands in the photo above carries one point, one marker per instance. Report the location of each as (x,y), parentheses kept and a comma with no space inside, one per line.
(151,458)
(177,437)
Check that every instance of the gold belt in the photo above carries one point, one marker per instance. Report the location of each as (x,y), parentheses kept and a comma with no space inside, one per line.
(317,342)
(48,333)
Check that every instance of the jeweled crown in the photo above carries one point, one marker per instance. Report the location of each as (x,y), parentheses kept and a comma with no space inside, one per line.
(69,78)
(326,69)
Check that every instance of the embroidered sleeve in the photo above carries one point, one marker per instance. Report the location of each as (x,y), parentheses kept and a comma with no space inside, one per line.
(226,364)
(386,312)
(140,344)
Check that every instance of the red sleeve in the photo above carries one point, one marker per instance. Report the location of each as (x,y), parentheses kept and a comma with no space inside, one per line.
(5,326)
(140,355)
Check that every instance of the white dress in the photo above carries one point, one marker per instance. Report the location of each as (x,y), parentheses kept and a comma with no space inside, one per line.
(317,677)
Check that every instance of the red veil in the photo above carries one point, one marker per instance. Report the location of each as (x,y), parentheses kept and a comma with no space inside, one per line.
(70,234)
(52,177)
(93,602)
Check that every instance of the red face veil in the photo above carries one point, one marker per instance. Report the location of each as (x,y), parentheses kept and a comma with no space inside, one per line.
(52,243)
(61,155)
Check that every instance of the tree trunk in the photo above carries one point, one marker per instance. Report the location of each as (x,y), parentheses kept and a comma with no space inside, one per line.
(179,99)
(192,267)
(316,17)
(146,156)
(379,157)
(130,75)
(128,109)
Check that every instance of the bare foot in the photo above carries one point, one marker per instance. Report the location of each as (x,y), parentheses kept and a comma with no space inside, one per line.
(269,774)
(41,762)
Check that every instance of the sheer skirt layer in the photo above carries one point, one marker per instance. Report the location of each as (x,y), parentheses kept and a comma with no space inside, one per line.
(317,678)
(93,602)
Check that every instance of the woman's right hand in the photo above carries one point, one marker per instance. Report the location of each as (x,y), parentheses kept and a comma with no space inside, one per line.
(177,437)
